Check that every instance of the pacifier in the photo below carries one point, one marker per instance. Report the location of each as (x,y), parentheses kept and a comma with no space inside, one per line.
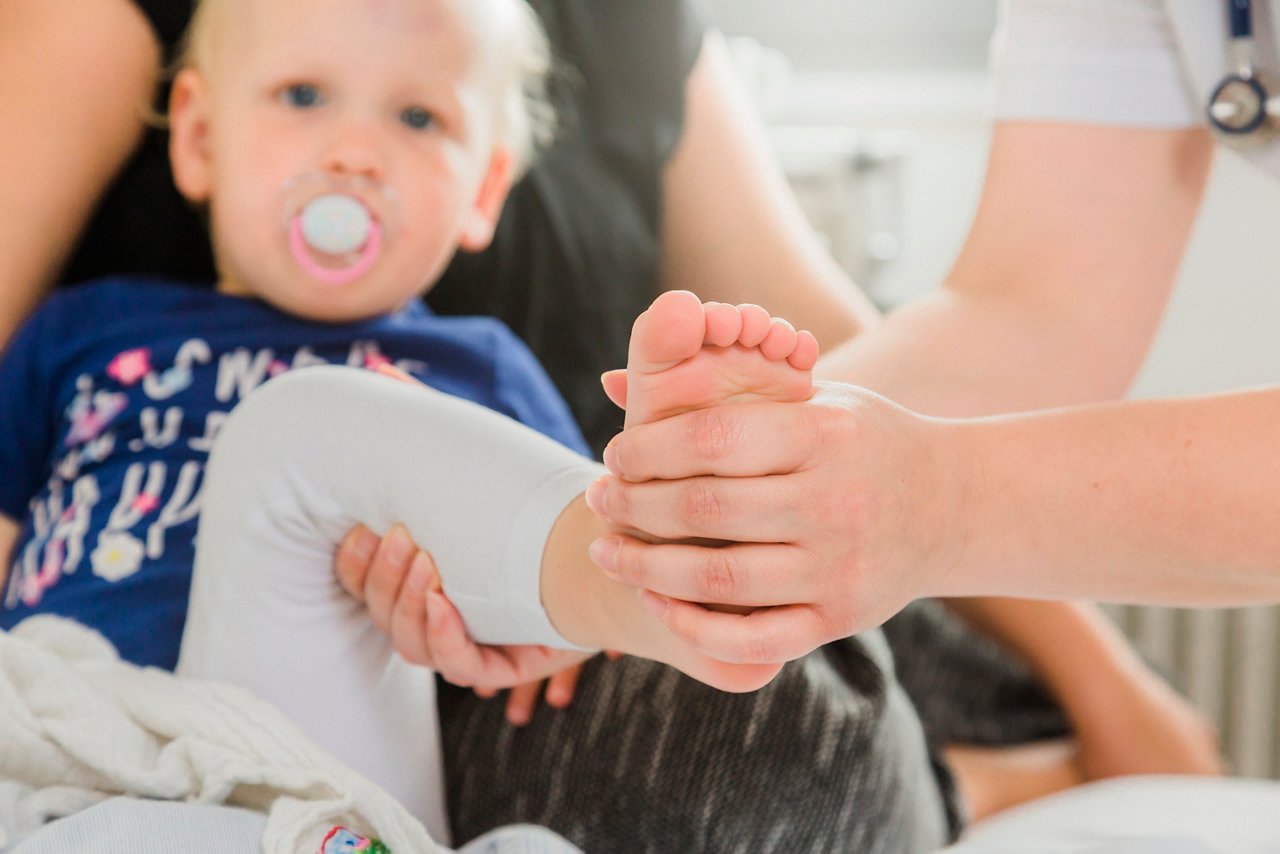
(335,226)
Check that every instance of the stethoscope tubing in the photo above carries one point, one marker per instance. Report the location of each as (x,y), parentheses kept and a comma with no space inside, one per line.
(1240,13)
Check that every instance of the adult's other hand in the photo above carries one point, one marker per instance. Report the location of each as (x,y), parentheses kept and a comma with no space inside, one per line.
(399,585)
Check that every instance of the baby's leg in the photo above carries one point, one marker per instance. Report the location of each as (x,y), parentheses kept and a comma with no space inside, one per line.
(500,507)
(297,465)
(685,355)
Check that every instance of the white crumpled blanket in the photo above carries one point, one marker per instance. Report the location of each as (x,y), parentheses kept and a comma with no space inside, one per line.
(78,726)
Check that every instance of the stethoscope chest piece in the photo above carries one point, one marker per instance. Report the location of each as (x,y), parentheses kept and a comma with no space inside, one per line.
(1240,108)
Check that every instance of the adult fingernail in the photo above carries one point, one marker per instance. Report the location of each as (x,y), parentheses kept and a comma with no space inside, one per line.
(437,610)
(398,545)
(655,604)
(420,573)
(603,553)
(361,543)
(595,496)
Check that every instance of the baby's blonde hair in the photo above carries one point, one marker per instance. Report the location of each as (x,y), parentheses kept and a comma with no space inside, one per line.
(526,121)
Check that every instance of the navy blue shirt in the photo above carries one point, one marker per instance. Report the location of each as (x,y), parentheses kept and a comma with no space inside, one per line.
(111,395)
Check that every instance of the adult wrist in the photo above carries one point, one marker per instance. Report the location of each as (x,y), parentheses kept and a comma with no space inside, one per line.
(961,496)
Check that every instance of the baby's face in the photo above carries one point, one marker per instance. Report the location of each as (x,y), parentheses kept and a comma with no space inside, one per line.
(386,107)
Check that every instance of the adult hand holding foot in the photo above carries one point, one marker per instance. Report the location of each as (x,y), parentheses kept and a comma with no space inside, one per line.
(799,489)
(867,505)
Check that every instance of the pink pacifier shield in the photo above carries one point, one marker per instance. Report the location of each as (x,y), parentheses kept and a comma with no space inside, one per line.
(338,228)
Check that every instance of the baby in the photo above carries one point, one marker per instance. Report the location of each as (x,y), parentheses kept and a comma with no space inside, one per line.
(344,151)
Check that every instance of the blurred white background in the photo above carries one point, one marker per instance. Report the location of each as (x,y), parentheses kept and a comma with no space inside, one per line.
(879,112)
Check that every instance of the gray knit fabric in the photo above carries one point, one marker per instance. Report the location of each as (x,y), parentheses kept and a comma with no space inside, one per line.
(828,757)
(966,688)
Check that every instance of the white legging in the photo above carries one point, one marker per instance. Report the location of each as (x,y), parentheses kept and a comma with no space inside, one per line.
(298,464)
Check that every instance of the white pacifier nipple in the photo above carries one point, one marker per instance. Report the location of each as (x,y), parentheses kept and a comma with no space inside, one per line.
(335,224)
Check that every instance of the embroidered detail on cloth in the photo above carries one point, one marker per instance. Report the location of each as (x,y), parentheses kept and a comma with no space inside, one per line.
(130,366)
(341,840)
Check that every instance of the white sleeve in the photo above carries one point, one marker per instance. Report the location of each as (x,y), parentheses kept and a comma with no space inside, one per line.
(1102,62)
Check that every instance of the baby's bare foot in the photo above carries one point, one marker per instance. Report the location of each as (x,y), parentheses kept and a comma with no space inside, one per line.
(687,355)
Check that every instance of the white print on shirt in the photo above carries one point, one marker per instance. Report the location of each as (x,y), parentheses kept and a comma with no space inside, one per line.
(183,506)
(68,468)
(118,555)
(57,543)
(152,436)
(26,581)
(413,367)
(74,522)
(91,411)
(306,358)
(365,354)
(241,371)
(135,503)
(212,424)
(177,378)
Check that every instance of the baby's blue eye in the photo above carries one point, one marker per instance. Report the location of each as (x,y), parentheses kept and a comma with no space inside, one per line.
(417,118)
(301,95)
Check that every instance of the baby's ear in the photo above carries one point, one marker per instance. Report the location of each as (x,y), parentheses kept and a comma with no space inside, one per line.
(482,218)
(189,135)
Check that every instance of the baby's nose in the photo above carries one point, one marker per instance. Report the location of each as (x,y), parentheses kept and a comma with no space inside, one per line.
(354,152)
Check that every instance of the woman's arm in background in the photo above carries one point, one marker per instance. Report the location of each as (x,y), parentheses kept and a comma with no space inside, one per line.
(732,230)
(76,77)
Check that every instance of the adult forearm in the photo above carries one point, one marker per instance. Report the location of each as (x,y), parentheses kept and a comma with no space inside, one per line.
(963,353)
(75,80)
(732,230)
(1060,283)
(960,353)
(1158,501)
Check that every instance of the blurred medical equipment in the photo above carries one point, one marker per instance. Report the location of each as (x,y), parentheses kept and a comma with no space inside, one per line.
(849,181)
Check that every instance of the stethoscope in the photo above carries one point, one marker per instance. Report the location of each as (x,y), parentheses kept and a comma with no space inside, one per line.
(1240,106)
